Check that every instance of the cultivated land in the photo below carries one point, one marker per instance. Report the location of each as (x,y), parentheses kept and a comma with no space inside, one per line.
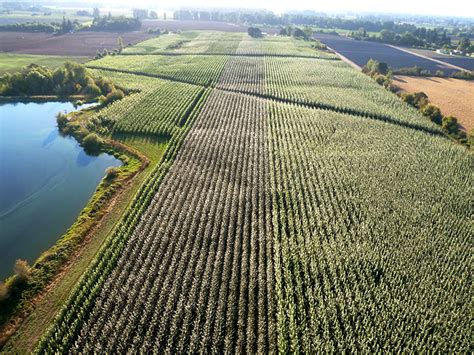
(464,62)
(70,44)
(453,96)
(360,52)
(12,62)
(299,207)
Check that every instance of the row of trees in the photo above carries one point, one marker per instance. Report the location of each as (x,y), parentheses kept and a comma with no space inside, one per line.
(70,79)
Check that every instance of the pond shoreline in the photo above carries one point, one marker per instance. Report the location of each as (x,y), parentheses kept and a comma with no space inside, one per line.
(53,262)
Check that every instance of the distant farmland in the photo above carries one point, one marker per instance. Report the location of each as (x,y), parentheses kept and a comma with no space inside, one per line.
(463,62)
(360,52)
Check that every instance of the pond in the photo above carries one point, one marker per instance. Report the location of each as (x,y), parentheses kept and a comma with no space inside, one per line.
(45,180)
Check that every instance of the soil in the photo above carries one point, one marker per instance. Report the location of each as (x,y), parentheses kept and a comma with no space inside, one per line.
(79,43)
(452,96)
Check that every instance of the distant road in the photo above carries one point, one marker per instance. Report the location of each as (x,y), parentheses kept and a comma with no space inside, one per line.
(360,52)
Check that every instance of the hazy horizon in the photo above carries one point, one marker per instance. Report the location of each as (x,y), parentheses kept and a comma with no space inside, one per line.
(460,8)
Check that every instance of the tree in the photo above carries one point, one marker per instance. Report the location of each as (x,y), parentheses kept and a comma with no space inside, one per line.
(254,32)
(92,142)
(164,15)
(120,44)
(22,271)
(433,113)
(96,12)
(3,291)
(450,124)
(464,44)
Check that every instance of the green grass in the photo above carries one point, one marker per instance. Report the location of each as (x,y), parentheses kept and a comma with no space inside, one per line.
(12,62)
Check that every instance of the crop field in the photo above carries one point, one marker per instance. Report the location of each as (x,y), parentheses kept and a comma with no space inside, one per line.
(11,62)
(464,62)
(360,52)
(70,44)
(275,225)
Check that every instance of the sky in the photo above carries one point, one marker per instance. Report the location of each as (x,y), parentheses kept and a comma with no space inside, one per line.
(464,8)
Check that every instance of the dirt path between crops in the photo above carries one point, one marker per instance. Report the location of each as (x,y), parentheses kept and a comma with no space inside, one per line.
(452,96)
(428,58)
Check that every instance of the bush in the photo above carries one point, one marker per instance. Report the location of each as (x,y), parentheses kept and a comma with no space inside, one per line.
(22,272)
(254,32)
(433,113)
(112,96)
(450,124)
(61,119)
(374,66)
(3,291)
(465,75)
(111,173)
(470,138)
(417,99)
(92,142)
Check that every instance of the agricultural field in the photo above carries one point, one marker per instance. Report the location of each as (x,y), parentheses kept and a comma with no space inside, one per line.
(11,62)
(452,96)
(464,62)
(70,44)
(360,52)
(298,208)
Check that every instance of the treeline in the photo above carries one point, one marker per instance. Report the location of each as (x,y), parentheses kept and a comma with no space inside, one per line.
(115,23)
(418,37)
(70,79)
(104,23)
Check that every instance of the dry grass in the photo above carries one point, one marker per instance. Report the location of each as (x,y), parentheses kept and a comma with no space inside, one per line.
(452,96)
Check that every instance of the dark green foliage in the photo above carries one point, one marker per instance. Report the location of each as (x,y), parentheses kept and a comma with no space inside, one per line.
(432,112)
(254,32)
(414,71)
(92,142)
(450,124)
(374,66)
(112,96)
(466,75)
(119,23)
(70,79)
(417,99)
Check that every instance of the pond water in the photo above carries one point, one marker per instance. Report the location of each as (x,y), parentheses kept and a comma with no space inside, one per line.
(45,180)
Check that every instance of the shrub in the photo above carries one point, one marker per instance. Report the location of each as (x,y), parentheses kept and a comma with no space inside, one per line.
(417,99)
(22,271)
(3,291)
(433,112)
(450,124)
(112,96)
(111,173)
(254,32)
(466,75)
(470,138)
(374,66)
(92,142)
(61,119)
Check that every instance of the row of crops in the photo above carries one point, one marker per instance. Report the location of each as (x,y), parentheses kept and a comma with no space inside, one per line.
(320,83)
(272,226)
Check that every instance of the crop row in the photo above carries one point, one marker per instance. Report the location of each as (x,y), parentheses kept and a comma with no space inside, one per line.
(284,228)
(372,235)
(158,107)
(194,69)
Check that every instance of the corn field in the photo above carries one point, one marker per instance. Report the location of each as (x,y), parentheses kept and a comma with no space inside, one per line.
(273,226)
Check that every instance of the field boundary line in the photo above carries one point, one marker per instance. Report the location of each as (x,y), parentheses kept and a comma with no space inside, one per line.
(171,54)
(313,105)
(452,66)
